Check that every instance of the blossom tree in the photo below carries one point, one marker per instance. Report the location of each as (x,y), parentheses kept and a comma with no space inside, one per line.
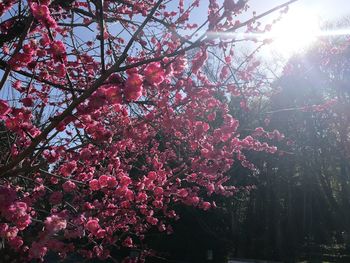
(111,121)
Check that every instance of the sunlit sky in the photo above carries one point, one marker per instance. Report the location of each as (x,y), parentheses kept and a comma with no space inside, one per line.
(300,26)
(327,9)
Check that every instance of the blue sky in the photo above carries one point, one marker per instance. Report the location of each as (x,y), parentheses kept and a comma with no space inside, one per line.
(326,9)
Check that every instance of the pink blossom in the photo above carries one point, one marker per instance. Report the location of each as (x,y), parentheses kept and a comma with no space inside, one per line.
(16,242)
(154,73)
(157,204)
(94,185)
(152,220)
(129,195)
(11,232)
(152,175)
(20,60)
(27,102)
(58,50)
(101,233)
(92,226)
(125,180)
(69,186)
(141,197)
(133,87)
(85,154)
(158,191)
(113,94)
(194,200)
(68,168)
(60,70)
(40,11)
(23,221)
(128,242)
(206,206)
(182,192)
(3,229)
(37,250)
(111,182)
(55,223)
(103,181)
(199,60)
(56,198)
(4,108)
(17,213)
(42,14)
(51,156)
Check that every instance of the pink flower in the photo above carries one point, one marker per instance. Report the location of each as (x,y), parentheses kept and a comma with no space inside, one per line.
(111,182)
(158,191)
(231,6)
(58,50)
(17,213)
(40,11)
(152,220)
(56,198)
(37,250)
(92,226)
(128,242)
(11,232)
(20,60)
(129,195)
(85,154)
(199,60)
(133,95)
(157,204)
(60,70)
(55,223)
(15,242)
(134,81)
(4,108)
(133,87)
(51,156)
(28,49)
(69,186)
(125,180)
(68,168)
(103,181)
(27,102)
(154,73)
(23,221)
(113,94)
(206,206)
(194,200)
(152,175)
(125,204)
(42,14)
(182,192)
(101,233)
(94,185)
(141,197)
(44,40)
(180,65)
(3,229)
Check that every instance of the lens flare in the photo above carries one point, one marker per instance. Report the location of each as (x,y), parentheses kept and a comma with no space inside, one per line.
(297,30)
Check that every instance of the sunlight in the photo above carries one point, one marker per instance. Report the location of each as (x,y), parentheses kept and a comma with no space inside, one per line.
(296,31)
(293,33)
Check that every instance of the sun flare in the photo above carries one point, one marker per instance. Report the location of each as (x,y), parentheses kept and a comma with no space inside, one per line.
(294,32)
